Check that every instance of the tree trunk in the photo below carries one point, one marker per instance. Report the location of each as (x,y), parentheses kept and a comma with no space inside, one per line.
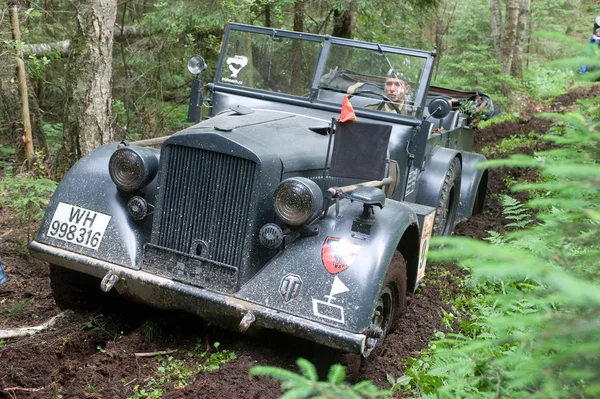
(9,94)
(509,35)
(87,119)
(296,58)
(496,15)
(517,61)
(344,21)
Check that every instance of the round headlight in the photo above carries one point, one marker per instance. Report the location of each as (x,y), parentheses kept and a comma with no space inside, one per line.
(297,200)
(132,168)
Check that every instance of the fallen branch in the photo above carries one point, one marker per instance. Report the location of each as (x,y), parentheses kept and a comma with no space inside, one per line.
(21,332)
(152,354)
(11,389)
(63,47)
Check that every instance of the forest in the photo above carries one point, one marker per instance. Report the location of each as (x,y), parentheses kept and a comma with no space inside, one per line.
(510,305)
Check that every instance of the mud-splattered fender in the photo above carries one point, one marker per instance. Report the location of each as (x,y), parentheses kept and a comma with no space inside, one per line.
(88,186)
(298,282)
(473,186)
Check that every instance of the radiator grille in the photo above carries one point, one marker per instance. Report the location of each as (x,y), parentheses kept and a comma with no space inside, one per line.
(204,195)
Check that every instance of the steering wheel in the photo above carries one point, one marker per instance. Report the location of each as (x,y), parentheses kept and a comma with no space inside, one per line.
(381,96)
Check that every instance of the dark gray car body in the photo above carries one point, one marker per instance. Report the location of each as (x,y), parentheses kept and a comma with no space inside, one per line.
(215,185)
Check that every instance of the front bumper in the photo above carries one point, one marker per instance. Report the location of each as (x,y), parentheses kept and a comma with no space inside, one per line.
(164,293)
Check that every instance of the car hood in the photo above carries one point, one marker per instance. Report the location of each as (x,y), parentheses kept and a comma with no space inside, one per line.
(286,134)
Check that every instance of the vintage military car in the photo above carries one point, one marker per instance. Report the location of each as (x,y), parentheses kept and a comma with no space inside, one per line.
(272,212)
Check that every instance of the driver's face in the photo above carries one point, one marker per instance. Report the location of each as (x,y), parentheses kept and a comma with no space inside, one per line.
(394,89)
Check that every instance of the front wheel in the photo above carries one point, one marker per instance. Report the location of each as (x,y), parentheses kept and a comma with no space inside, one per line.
(445,214)
(390,304)
(74,290)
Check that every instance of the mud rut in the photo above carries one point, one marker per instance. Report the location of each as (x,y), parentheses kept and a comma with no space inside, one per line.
(66,360)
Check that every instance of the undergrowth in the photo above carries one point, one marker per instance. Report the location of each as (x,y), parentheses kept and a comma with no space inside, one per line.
(27,196)
(179,371)
(534,293)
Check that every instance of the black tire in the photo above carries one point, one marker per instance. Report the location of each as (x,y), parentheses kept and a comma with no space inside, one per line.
(390,304)
(445,214)
(74,290)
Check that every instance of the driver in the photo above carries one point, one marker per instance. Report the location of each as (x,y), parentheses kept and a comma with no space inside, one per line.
(394,89)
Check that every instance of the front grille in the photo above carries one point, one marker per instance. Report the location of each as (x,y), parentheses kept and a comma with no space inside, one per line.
(204,195)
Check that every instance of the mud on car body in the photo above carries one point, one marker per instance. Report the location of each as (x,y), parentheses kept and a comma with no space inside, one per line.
(271,213)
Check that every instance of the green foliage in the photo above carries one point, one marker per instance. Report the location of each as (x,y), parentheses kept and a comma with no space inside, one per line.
(543,82)
(510,144)
(535,299)
(54,135)
(27,197)
(307,384)
(36,66)
(476,68)
(514,210)
(180,371)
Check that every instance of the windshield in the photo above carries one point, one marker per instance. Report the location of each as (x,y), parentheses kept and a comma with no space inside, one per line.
(390,80)
(266,62)
(375,77)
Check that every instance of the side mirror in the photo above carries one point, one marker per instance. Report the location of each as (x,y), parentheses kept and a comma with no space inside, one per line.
(196,65)
(438,108)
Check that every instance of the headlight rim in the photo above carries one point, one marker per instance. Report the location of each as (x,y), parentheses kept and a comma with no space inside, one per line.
(312,193)
(144,168)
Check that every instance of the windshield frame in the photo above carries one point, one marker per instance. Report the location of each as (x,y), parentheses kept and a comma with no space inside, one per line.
(326,42)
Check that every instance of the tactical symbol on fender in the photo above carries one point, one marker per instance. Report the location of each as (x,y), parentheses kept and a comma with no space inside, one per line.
(329,310)
(290,286)
(338,254)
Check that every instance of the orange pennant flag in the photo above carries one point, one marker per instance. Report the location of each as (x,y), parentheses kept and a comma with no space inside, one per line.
(347,113)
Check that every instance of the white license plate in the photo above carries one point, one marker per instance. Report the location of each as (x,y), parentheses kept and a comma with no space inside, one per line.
(78,225)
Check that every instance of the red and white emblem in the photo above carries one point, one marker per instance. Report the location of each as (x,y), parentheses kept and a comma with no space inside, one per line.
(338,254)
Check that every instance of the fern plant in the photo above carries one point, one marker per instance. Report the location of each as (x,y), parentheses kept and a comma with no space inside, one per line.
(541,339)
(307,384)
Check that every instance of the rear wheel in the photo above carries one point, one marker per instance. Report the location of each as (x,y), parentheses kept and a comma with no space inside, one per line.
(445,214)
(74,290)
(390,304)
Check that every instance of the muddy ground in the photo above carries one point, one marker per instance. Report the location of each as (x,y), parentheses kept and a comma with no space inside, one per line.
(93,354)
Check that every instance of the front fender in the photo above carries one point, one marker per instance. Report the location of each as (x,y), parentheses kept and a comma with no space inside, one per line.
(88,185)
(297,281)
(432,179)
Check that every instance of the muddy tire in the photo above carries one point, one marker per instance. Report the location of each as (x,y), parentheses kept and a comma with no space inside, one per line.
(445,214)
(74,290)
(390,304)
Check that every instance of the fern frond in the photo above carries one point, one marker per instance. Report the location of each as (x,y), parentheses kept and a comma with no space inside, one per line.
(495,238)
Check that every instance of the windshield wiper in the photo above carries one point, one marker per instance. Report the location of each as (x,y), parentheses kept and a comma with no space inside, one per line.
(392,69)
